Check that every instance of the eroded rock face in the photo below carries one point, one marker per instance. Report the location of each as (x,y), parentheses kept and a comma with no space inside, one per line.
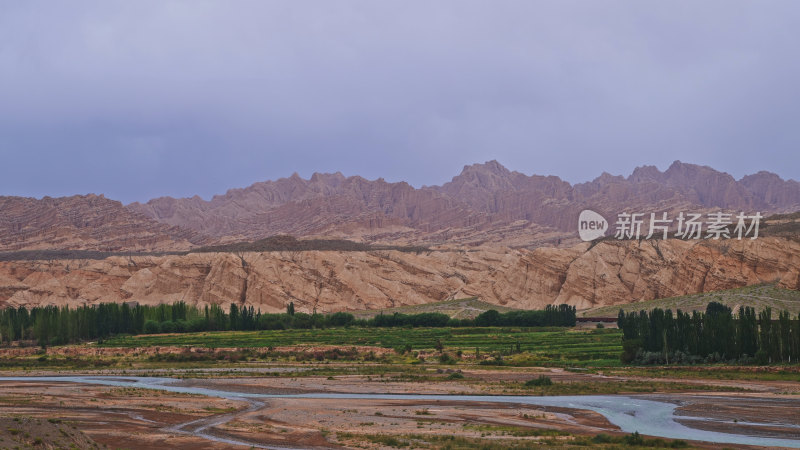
(485,203)
(771,189)
(608,273)
(85,222)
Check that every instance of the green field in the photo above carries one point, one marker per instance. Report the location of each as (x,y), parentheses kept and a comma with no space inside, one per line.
(537,346)
(461,308)
(757,296)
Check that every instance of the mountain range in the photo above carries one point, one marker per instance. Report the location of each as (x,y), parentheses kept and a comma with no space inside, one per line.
(506,237)
(486,204)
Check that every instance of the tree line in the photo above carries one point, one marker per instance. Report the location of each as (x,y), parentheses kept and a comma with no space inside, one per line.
(52,325)
(555,316)
(659,337)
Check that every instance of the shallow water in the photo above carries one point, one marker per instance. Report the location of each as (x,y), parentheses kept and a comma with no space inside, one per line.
(630,414)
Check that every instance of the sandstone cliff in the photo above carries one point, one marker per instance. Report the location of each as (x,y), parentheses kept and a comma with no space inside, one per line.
(610,272)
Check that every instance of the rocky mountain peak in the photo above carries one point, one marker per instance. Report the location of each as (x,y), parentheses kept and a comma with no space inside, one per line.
(490,176)
(645,174)
(606,177)
(771,189)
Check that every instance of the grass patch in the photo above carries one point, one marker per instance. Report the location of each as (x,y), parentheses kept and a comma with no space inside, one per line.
(761,373)
(543,346)
(506,437)
(509,430)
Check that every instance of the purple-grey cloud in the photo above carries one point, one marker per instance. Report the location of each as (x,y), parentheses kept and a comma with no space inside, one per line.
(148,98)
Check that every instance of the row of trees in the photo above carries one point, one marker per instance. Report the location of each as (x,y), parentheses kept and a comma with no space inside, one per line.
(556,316)
(51,325)
(659,336)
(58,325)
(560,316)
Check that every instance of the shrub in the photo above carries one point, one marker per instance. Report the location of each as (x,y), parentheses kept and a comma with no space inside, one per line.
(488,318)
(497,361)
(168,326)
(181,326)
(630,347)
(195,325)
(602,439)
(540,381)
(151,327)
(761,356)
(340,319)
(445,358)
(634,439)
(403,349)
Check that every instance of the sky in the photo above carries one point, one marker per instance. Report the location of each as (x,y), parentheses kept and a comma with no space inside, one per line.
(140,99)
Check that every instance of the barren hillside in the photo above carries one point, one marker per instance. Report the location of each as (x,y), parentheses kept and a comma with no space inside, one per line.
(610,272)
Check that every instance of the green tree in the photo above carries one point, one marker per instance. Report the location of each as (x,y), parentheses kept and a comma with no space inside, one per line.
(233,317)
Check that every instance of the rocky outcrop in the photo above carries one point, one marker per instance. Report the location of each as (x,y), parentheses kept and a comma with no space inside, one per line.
(607,273)
(85,222)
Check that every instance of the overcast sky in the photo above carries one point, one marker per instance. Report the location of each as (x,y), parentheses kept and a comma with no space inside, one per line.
(138,99)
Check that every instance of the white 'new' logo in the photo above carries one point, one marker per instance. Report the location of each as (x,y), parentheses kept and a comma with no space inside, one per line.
(591,225)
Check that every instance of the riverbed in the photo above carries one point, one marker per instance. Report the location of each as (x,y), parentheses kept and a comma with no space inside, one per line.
(653,415)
